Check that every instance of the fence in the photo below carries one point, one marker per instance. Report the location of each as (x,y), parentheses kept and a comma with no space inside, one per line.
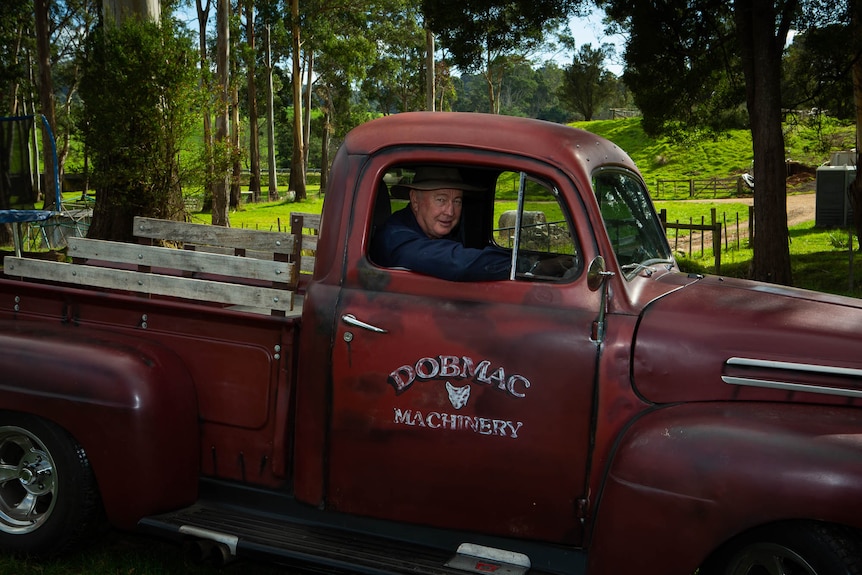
(692,188)
(714,231)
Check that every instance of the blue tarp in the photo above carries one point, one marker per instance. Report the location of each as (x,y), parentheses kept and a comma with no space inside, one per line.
(15,167)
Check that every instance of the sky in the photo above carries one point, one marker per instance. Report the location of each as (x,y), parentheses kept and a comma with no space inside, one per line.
(590,30)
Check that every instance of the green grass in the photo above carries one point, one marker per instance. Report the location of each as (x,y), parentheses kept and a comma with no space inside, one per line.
(723,156)
(819,258)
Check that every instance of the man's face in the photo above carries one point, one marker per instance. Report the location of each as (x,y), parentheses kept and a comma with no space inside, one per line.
(437,211)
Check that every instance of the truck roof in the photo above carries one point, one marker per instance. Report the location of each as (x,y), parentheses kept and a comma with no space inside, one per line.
(538,138)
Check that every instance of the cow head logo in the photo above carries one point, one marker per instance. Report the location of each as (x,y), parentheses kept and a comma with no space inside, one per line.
(458,396)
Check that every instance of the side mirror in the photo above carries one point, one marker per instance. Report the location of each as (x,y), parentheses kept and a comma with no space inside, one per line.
(596,279)
(596,273)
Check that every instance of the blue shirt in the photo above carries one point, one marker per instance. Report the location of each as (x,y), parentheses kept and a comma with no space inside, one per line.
(402,243)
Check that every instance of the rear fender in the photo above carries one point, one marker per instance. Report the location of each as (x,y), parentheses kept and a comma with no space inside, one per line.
(684,479)
(129,402)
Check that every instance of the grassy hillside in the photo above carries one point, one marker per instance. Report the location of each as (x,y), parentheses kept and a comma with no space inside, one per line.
(727,155)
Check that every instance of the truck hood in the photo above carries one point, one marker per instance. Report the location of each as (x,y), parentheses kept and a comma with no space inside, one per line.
(726,339)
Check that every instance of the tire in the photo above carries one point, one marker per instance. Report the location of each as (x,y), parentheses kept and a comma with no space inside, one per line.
(792,548)
(48,495)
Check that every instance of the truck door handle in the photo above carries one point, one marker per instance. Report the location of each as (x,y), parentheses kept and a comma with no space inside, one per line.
(350,319)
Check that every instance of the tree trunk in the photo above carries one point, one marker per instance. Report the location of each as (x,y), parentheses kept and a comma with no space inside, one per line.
(761,48)
(117,11)
(324,154)
(46,98)
(297,164)
(855,191)
(236,163)
(270,123)
(220,215)
(306,107)
(203,18)
(254,136)
(325,138)
(430,97)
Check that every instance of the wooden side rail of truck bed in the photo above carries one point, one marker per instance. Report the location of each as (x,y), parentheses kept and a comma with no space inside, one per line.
(249,269)
(307,228)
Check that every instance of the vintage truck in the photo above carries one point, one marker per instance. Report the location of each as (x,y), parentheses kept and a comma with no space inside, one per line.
(620,417)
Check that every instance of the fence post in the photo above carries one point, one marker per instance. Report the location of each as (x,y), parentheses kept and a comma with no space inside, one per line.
(691,188)
(716,245)
(690,234)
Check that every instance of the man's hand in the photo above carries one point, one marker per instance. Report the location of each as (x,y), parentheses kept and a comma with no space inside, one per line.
(554,267)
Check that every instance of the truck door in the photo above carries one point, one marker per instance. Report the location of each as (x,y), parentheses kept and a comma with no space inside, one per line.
(468,405)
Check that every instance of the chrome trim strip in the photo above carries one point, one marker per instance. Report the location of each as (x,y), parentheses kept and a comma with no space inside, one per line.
(791,386)
(200,532)
(826,369)
(494,554)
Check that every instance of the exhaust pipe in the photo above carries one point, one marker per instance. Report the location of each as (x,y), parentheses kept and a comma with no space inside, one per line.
(198,551)
(209,546)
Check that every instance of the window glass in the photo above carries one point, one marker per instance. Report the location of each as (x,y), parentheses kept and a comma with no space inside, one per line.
(542,232)
(635,232)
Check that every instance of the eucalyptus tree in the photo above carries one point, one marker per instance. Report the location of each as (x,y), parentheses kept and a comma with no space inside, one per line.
(140,91)
(17,41)
(72,22)
(276,47)
(46,81)
(487,36)
(396,77)
(250,57)
(587,84)
(545,103)
(346,50)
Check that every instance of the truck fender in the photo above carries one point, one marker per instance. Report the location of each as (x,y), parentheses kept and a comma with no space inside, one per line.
(128,401)
(685,478)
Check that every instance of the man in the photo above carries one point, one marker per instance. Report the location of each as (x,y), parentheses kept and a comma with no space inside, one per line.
(422,237)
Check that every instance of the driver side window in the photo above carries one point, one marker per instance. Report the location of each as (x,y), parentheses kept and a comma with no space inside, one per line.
(541,233)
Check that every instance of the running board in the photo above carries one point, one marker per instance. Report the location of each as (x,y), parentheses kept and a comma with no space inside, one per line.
(240,533)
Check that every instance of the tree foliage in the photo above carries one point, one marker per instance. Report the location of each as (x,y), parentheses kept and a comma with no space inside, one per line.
(587,84)
(489,36)
(681,63)
(140,93)
(692,63)
(817,71)
(17,39)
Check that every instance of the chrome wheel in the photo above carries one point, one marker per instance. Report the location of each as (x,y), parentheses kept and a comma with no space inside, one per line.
(28,483)
(770,559)
(789,548)
(49,500)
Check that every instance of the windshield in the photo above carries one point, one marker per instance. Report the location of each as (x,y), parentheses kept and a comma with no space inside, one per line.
(634,229)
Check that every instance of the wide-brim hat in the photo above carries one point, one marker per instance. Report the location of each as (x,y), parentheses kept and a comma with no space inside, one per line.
(436,178)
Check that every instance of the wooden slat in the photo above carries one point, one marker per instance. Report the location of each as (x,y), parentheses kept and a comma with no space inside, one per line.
(189,261)
(140,282)
(310,221)
(276,242)
(309,242)
(306,255)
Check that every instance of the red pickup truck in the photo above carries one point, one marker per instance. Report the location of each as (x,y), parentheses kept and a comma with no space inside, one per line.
(618,417)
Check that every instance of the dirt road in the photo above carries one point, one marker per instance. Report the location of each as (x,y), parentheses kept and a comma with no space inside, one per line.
(800,209)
